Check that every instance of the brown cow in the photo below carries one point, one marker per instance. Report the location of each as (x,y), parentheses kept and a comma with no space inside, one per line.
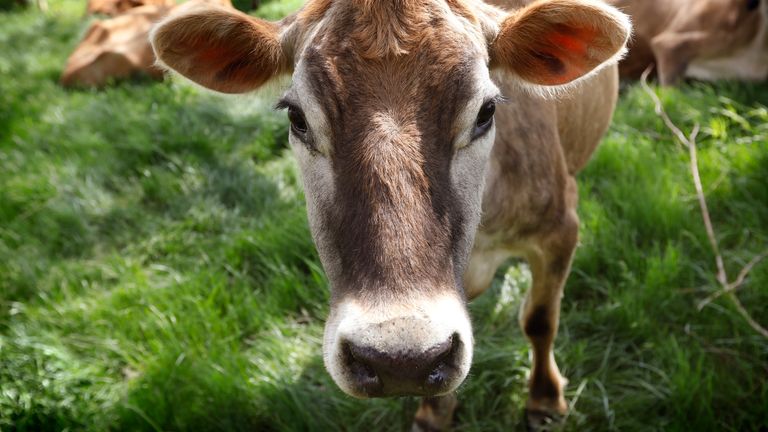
(703,39)
(117,7)
(115,48)
(393,114)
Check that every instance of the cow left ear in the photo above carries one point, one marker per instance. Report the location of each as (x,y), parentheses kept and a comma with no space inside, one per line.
(554,42)
(220,48)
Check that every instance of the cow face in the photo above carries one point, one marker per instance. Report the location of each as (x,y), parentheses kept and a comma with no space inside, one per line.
(391,108)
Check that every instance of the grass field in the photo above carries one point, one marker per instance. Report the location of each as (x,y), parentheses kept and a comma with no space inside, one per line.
(157,273)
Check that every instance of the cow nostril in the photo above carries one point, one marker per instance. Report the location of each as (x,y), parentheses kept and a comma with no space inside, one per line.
(362,372)
(437,377)
(445,363)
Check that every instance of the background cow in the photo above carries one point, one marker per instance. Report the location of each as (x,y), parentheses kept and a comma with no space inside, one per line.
(703,39)
(115,48)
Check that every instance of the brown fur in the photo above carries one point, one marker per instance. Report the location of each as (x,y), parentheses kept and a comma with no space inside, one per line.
(117,7)
(313,11)
(233,51)
(385,28)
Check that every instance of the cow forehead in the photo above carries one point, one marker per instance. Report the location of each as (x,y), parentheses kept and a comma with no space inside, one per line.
(382,27)
(409,88)
(397,61)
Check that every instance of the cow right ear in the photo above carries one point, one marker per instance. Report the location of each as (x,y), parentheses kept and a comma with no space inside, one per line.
(554,42)
(221,49)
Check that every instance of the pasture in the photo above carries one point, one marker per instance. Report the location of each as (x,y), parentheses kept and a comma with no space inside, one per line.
(157,272)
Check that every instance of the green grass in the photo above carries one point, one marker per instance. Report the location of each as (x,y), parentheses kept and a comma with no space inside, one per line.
(157,273)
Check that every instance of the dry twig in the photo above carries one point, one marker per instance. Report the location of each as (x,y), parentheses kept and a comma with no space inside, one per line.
(727,288)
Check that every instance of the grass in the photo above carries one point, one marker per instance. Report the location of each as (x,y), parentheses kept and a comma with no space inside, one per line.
(157,273)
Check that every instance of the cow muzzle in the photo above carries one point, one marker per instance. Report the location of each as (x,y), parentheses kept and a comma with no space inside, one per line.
(423,348)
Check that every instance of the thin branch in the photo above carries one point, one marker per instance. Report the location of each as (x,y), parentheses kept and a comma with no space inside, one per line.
(747,268)
(744,313)
(733,286)
(722,276)
(690,143)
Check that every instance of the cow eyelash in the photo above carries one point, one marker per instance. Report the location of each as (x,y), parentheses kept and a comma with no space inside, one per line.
(299,126)
(500,99)
(485,116)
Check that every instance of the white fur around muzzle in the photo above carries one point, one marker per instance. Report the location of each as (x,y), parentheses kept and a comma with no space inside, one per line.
(432,321)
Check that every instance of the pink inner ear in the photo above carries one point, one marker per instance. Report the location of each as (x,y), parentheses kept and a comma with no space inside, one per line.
(216,56)
(553,42)
(573,40)
(564,56)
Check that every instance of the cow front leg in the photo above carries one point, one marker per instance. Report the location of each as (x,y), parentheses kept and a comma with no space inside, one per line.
(550,261)
(435,414)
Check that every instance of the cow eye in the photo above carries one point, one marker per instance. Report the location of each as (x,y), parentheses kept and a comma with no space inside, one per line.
(484,119)
(298,122)
(299,128)
(752,4)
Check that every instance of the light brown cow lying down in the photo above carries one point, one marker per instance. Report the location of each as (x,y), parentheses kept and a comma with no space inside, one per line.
(119,47)
(117,7)
(703,39)
(115,48)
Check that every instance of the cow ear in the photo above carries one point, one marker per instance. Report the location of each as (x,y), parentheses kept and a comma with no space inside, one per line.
(554,42)
(221,49)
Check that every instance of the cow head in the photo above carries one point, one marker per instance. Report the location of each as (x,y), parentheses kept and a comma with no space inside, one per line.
(737,46)
(725,39)
(391,106)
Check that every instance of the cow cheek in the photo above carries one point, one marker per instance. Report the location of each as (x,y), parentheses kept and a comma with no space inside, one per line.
(468,172)
(319,190)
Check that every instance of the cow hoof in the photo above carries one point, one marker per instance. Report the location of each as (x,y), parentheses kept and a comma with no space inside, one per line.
(419,426)
(435,414)
(540,421)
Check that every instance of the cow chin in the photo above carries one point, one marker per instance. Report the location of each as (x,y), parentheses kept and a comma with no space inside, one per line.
(422,348)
